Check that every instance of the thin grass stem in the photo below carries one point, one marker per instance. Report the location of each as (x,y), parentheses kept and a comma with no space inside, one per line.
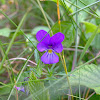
(80,8)
(64,63)
(89,8)
(90,96)
(85,8)
(44,16)
(52,22)
(87,93)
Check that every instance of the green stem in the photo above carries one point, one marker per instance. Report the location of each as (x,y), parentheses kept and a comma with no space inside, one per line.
(63,58)
(49,18)
(76,46)
(76,42)
(44,15)
(65,68)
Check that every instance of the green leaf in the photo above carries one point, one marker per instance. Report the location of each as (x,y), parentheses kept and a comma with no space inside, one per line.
(3,1)
(2,71)
(36,29)
(5,89)
(97,19)
(95,97)
(89,77)
(68,30)
(5,32)
(90,27)
(96,42)
(37,88)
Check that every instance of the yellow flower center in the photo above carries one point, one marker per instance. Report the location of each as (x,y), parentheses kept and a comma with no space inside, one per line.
(49,51)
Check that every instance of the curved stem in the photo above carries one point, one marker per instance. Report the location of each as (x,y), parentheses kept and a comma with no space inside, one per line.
(63,58)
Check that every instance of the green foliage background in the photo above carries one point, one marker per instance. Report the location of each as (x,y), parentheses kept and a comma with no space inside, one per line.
(20,63)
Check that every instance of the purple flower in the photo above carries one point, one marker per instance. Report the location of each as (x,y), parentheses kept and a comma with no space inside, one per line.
(20,88)
(50,45)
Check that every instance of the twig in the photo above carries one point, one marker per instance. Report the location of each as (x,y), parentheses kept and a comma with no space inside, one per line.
(87,93)
(91,95)
(73,64)
(75,96)
(23,59)
(84,92)
(71,49)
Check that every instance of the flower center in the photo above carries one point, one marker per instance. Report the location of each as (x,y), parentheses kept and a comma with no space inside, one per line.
(49,51)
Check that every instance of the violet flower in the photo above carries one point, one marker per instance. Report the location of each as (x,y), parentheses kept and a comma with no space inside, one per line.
(20,88)
(51,45)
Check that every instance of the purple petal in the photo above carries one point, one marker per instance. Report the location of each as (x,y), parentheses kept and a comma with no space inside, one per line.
(49,58)
(57,38)
(42,46)
(20,88)
(43,36)
(57,47)
(17,87)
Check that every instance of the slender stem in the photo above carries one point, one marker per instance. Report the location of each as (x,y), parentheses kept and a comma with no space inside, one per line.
(79,86)
(81,8)
(16,95)
(76,97)
(65,68)
(89,8)
(49,18)
(58,12)
(85,7)
(19,58)
(76,46)
(84,92)
(16,92)
(44,15)
(63,59)
(87,93)
(72,49)
(90,96)
(76,42)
